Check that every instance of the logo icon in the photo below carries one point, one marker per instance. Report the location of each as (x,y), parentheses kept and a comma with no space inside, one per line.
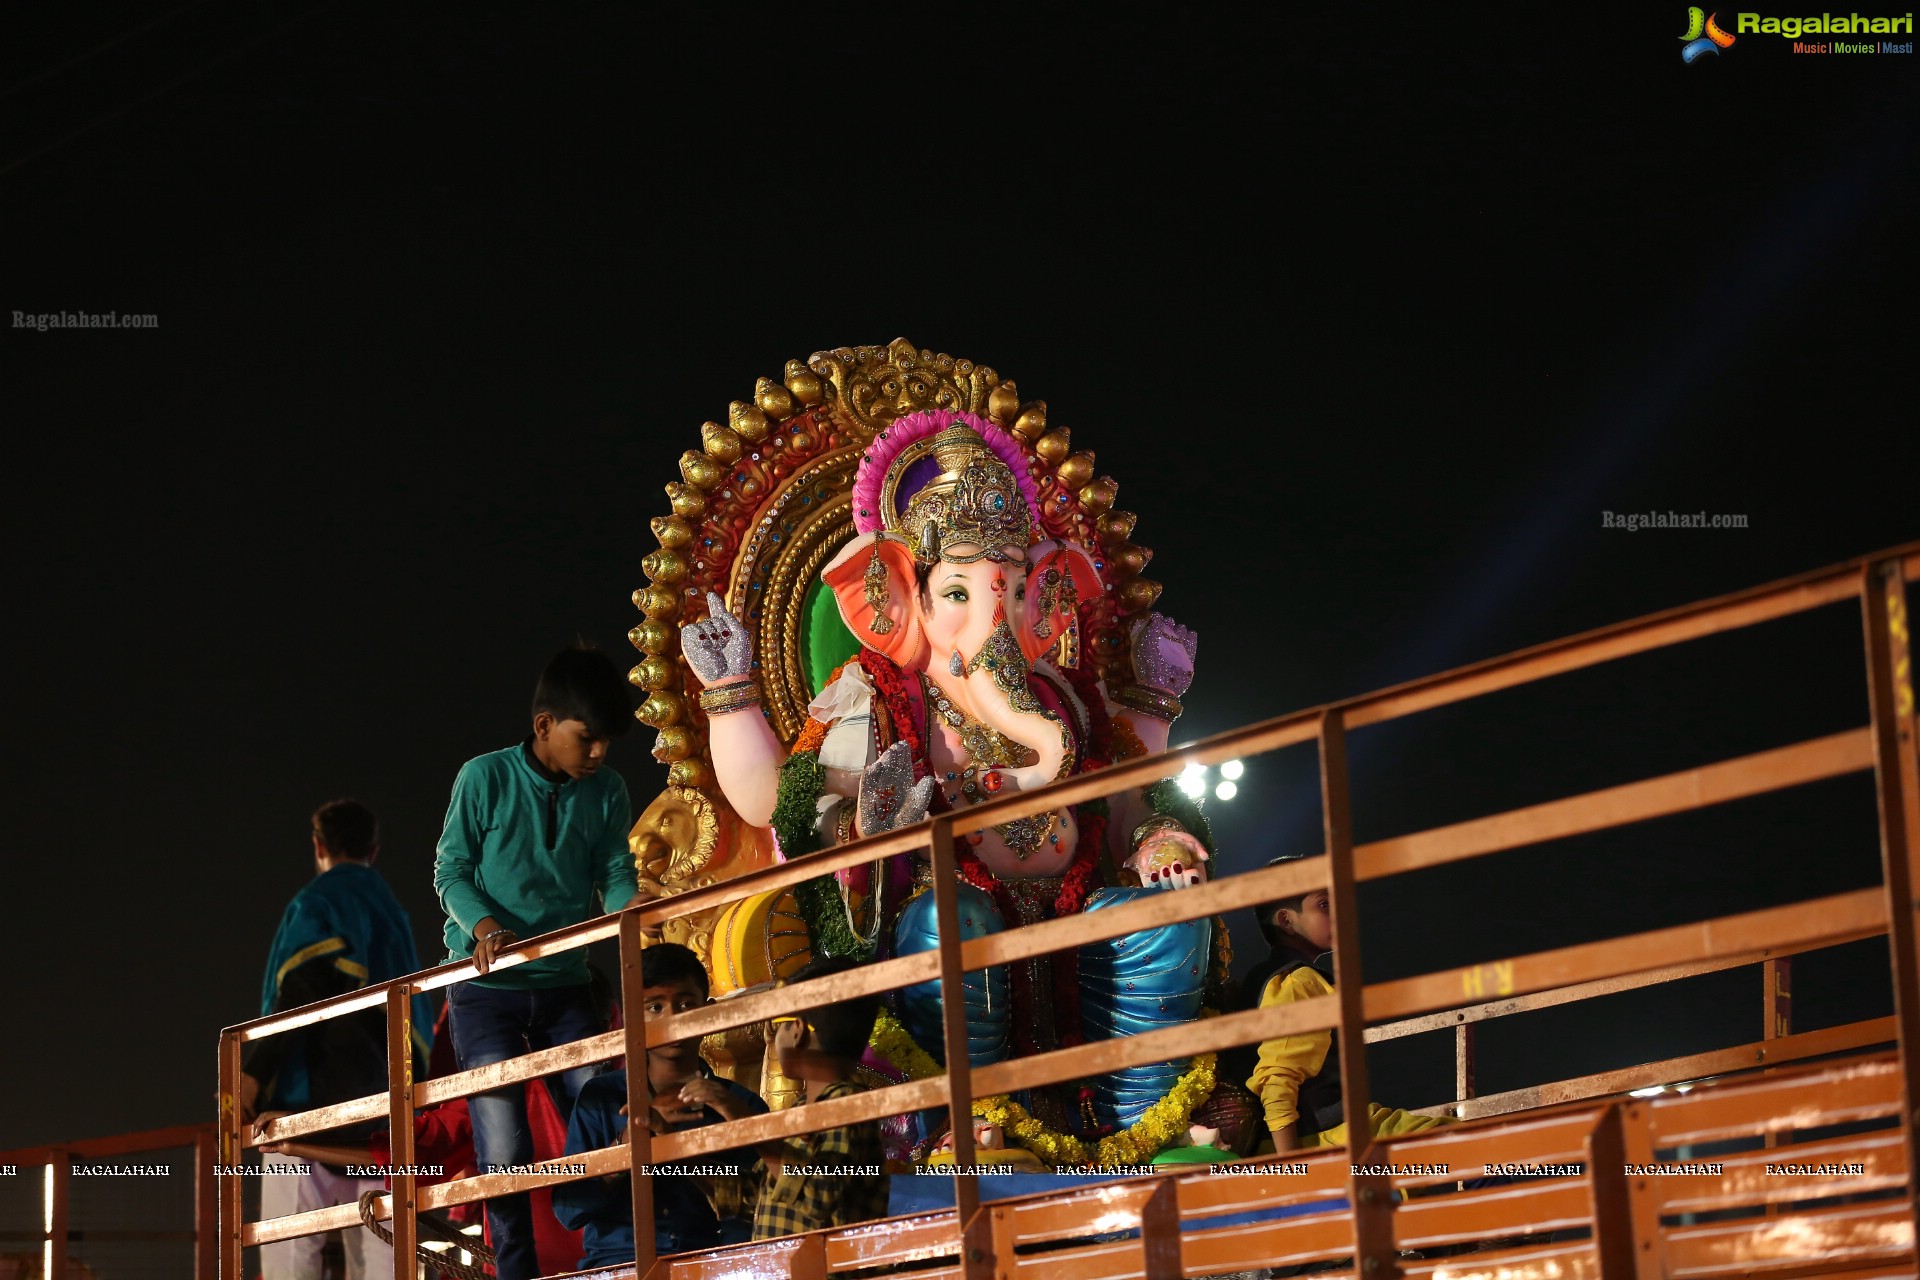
(1703,36)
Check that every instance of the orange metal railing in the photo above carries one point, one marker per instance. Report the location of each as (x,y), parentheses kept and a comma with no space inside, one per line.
(1456,997)
(56,1160)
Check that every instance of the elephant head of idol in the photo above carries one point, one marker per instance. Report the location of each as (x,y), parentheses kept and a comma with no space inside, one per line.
(947,578)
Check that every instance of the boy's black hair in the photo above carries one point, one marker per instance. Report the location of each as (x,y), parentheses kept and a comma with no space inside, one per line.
(665,962)
(1265,913)
(581,684)
(843,1027)
(347,829)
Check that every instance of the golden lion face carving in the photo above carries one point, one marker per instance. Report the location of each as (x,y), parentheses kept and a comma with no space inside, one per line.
(676,837)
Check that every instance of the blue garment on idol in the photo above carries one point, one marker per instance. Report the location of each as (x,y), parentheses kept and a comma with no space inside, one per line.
(603,1211)
(344,931)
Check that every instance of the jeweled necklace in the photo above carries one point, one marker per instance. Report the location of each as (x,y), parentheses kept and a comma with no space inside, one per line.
(988,751)
(986,745)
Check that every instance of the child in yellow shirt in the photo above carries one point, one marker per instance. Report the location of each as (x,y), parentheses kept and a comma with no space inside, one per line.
(1298,1077)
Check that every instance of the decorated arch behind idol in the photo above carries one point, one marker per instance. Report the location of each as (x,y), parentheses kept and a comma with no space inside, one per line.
(889,583)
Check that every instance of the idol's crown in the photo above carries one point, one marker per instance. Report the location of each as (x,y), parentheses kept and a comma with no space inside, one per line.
(974,503)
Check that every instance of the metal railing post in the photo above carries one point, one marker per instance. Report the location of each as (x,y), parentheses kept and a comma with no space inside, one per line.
(639,1092)
(1464,1086)
(1777,982)
(406,1225)
(206,1205)
(231,1191)
(57,1190)
(1370,1195)
(946,910)
(1777,993)
(1613,1223)
(1896,771)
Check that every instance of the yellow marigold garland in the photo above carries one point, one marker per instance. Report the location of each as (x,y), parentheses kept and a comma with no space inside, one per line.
(891,1041)
(1164,1121)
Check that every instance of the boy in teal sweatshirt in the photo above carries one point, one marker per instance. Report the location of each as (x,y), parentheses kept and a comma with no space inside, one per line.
(533,834)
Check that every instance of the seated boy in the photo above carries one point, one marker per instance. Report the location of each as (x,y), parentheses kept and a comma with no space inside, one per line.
(837,1177)
(1298,1077)
(689,1212)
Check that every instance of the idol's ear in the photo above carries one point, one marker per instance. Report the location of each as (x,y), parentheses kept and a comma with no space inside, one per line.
(872,578)
(1062,577)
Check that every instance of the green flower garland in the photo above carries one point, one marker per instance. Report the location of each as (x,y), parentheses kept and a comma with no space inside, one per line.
(825,912)
(796,804)
(795,812)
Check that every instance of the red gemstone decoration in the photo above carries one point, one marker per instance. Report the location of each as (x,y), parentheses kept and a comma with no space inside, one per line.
(993,781)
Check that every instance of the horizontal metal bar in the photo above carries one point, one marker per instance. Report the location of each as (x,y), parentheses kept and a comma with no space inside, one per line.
(102,1234)
(301,1124)
(1841,1241)
(1255,739)
(1142,771)
(1806,1044)
(183,1135)
(1653,631)
(1842,917)
(1543,1205)
(815,993)
(1165,907)
(544,1173)
(875,1104)
(785,875)
(1207,1035)
(1061,1064)
(546,944)
(1580,991)
(340,1217)
(872,1105)
(1778,1103)
(495,1075)
(1744,1180)
(1247,889)
(1687,790)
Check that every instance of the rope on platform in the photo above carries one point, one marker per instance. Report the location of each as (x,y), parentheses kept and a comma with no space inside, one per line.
(441,1262)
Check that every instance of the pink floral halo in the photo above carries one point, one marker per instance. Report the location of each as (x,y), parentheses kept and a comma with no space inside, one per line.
(896,437)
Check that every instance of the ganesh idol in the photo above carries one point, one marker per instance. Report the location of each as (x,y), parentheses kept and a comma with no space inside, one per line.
(969,683)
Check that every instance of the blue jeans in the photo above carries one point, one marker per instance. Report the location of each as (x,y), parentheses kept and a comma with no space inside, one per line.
(491,1024)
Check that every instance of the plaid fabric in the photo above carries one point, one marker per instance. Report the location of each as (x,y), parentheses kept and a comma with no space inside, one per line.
(831,1179)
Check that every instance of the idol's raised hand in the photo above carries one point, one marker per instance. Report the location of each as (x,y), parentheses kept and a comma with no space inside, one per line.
(717,647)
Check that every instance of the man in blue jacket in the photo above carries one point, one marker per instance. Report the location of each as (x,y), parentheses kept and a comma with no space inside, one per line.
(344,931)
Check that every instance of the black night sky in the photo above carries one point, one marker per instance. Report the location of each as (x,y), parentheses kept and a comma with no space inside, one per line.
(1372,311)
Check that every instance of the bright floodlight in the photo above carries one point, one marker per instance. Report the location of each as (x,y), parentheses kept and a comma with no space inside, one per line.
(1193,780)
(1232,770)
(1226,791)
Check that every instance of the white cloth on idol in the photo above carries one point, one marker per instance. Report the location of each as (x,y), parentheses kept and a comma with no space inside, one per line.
(846,705)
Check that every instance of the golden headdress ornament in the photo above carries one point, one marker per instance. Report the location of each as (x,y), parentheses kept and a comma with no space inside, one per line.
(953,487)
